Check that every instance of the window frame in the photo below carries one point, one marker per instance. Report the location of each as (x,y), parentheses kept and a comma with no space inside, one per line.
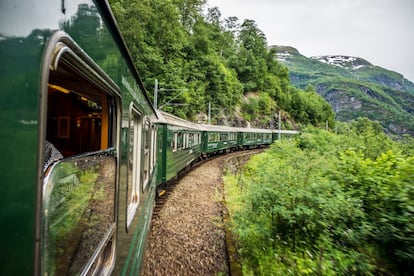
(61,49)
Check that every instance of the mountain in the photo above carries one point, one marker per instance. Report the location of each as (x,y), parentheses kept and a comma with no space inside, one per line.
(354,87)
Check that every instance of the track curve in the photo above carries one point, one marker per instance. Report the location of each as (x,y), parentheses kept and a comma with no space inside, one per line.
(188,236)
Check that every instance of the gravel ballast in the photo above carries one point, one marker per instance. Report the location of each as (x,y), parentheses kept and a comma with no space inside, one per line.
(187,234)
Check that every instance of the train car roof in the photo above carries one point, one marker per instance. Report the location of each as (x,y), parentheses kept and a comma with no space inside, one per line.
(285,131)
(257,130)
(207,127)
(234,129)
(169,119)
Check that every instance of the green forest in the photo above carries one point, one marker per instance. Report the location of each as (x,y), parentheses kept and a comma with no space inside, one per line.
(326,204)
(336,201)
(210,59)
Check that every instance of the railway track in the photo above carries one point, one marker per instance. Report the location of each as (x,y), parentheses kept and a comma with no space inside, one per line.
(188,234)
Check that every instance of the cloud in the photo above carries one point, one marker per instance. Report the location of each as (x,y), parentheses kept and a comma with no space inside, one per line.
(377,30)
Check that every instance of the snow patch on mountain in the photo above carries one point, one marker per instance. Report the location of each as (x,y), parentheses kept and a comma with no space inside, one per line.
(283,56)
(354,63)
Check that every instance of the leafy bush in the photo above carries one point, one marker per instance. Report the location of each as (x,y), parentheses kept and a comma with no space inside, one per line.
(325,204)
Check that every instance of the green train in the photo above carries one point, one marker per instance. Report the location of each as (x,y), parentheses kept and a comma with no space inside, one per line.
(84,153)
(183,143)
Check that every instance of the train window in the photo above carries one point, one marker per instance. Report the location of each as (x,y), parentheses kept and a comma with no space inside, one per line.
(77,210)
(196,139)
(174,142)
(180,140)
(79,113)
(134,162)
(146,152)
(191,139)
(186,140)
(154,147)
(213,137)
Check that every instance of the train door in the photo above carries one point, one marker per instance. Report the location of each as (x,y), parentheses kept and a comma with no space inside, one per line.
(78,180)
(134,163)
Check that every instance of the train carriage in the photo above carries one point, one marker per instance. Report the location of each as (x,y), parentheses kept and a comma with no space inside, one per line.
(180,144)
(279,133)
(218,139)
(253,137)
(78,163)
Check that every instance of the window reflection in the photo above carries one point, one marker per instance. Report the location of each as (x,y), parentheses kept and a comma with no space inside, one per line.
(78,209)
(134,164)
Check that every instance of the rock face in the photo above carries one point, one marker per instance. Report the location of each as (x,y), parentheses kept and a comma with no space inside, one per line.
(354,87)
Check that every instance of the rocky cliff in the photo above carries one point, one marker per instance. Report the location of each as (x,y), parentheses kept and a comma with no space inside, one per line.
(354,87)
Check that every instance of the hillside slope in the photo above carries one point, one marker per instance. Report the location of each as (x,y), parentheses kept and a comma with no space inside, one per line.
(354,87)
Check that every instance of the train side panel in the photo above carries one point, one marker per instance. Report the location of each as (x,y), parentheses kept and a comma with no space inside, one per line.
(61,42)
(217,141)
(182,149)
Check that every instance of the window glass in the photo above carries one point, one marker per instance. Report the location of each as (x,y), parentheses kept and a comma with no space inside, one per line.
(180,140)
(79,115)
(175,142)
(154,146)
(186,140)
(214,137)
(190,139)
(223,137)
(197,139)
(134,163)
(78,212)
(146,152)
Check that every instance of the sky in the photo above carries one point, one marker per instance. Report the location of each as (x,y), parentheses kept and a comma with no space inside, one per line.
(380,31)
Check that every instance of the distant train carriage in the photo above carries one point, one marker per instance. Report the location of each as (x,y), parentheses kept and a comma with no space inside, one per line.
(180,144)
(218,139)
(279,133)
(253,137)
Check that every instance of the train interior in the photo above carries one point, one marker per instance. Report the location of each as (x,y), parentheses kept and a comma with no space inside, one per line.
(77,113)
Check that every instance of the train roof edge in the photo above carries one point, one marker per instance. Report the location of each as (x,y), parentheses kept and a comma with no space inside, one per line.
(167,118)
(107,12)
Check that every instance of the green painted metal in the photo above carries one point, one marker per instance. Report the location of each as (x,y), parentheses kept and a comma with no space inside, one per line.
(218,141)
(162,153)
(176,161)
(25,32)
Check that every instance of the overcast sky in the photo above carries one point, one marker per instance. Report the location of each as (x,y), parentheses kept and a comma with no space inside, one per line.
(380,31)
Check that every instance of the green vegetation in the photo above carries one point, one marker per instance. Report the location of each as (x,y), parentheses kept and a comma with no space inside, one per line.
(219,61)
(327,204)
(356,88)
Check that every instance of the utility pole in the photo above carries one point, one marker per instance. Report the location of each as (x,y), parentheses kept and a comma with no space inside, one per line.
(156,90)
(279,126)
(209,113)
(156,94)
